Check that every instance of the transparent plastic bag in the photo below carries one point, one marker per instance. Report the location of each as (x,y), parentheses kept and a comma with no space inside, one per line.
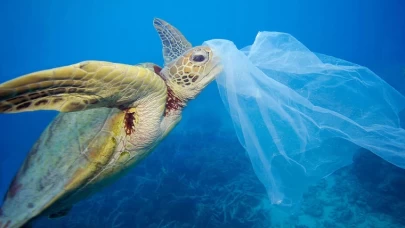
(301,116)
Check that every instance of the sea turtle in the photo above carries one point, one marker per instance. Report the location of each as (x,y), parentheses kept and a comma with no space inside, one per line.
(111,116)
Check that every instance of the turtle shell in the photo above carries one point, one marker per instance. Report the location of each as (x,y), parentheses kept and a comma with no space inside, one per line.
(68,163)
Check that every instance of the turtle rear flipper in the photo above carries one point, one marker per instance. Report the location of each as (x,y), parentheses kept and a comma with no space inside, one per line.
(27,225)
(80,86)
(61,213)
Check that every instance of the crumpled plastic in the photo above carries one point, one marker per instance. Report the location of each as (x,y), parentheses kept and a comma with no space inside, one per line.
(302,115)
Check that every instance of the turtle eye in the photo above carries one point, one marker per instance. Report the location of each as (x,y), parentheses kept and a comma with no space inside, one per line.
(198,58)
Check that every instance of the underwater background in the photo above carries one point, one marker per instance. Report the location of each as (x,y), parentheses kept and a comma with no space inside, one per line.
(200,176)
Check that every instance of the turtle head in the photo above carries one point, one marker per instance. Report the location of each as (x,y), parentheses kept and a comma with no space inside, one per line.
(187,69)
(192,72)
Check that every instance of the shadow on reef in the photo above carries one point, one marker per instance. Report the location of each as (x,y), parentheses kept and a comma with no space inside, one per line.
(383,185)
(368,193)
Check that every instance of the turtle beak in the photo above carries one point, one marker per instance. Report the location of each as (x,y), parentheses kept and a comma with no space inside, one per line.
(217,66)
(214,69)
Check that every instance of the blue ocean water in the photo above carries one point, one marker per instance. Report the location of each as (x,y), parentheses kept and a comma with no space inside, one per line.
(200,176)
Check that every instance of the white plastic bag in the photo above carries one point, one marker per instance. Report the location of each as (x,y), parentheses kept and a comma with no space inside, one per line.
(302,115)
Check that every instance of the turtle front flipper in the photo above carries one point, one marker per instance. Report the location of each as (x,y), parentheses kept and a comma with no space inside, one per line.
(173,41)
(80,86)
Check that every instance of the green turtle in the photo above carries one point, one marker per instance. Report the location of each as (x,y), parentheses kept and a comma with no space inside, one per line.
(111,117)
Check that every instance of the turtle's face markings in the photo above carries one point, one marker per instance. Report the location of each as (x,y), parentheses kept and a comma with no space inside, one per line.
(192,72)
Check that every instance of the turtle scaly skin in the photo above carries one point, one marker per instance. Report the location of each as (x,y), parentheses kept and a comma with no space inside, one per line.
(111,117)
